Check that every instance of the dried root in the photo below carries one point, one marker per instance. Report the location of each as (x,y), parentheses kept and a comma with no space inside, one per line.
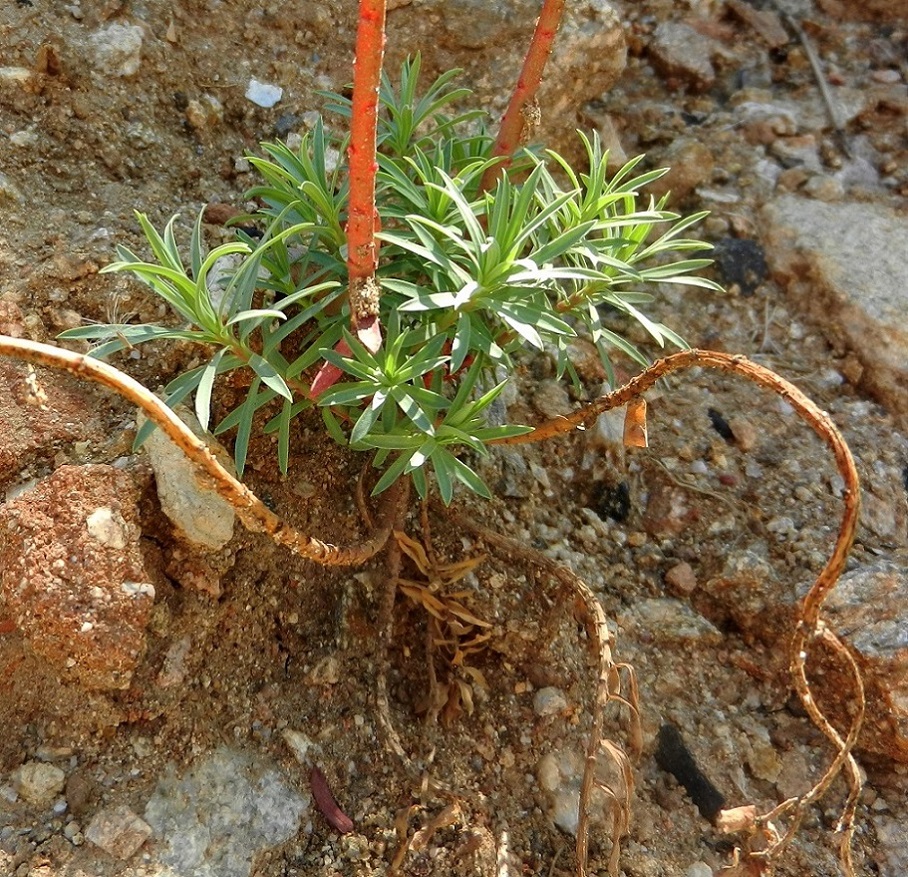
(616,683)
(251,511)
(810,629)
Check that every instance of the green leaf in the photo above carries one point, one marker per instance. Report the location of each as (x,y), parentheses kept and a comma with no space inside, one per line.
(203,391)
(367,419)
(266,371)
(244,427)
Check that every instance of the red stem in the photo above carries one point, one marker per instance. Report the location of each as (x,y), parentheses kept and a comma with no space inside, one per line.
(362,247)
(527,85)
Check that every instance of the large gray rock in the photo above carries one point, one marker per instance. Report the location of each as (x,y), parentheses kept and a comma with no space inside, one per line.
(846,267)
(229,806)
(868,609)
(488,39)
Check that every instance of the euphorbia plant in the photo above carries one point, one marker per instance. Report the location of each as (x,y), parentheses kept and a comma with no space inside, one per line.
(467,280)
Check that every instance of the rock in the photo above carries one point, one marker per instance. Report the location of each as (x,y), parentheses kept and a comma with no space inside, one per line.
(846,268)
(174,670)
(690,164)
(745,433)
(890,852)
(825,188)
(81,601)
(672,621)
(12,320)
(118,831)
(742,263)
(588,57)
(549,702)
(222,813)
(200,516)
(877,10)
(559,775)
(667,512)
(868,609)
(118,49)
(10,193)
(31,431)
(39,783)
(203,114)
(749,592)
(679,51)
(764,22)
(551,399)
(681,579)
(263,94)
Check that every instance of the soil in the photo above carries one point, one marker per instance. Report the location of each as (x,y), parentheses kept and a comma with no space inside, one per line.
(288,645)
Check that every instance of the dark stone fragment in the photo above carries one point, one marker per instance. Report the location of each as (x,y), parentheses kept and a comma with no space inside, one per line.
(286,124)
(720,425)
(673,756)
(741,262)
(611,501)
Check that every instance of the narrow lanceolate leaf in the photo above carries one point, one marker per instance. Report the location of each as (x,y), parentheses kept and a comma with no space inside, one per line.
(244,427)
(203,391)
(412,410)
(368,417)
(266,371)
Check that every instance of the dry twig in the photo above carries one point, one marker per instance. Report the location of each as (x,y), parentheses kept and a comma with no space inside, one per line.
(809,626)
(253,513)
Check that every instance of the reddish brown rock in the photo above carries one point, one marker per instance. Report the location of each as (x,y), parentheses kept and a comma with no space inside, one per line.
(681,579)
(72,576)
(60,411)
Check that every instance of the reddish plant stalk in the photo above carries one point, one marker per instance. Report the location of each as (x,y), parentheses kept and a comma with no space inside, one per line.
(362,247)
(362,217)
(527,85)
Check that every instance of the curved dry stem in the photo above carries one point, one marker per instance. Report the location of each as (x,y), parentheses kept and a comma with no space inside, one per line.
(251,511)
(809,627)
(844,748)
(608,690)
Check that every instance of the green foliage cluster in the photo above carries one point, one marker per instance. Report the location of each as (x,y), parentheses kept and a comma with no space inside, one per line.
(469,279)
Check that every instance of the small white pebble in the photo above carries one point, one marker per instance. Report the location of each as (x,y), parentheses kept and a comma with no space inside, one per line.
(263,94)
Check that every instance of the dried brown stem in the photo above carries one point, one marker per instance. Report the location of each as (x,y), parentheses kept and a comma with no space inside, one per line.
(251,511)
(809,626)
(608,688)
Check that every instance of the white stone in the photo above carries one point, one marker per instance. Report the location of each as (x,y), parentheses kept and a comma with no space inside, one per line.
(549,702)
(263,94)
(198,513)
(118,49)
(107,527)
(39,783)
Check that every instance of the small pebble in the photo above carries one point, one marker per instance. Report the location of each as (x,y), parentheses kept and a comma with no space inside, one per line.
(39,783)
(263,94)
(549,702)
(118,831)
(681,579)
